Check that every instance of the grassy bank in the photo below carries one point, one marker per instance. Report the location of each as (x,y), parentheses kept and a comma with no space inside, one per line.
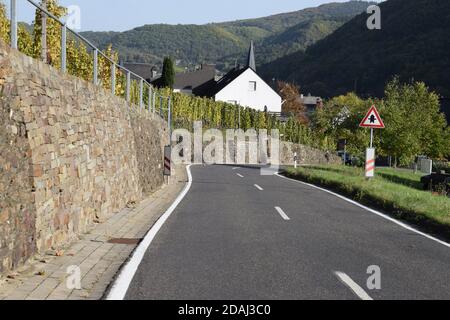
(395,191)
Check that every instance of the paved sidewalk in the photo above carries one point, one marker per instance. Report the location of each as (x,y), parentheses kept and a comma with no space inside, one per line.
(99,261)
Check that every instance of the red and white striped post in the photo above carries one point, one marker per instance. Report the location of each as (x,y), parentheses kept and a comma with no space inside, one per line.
(370,163)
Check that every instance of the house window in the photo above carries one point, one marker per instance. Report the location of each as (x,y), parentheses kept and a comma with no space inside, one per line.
(252,86)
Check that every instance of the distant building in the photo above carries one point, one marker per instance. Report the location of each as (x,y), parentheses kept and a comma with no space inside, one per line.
(147,71)
(243,86)
(188,82)
(311,103)
(240,86)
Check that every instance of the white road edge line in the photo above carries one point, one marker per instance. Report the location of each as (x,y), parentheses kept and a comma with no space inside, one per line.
(401,224)
(259,188)
(122,283)
(282,214)
(345,279)
(239,175)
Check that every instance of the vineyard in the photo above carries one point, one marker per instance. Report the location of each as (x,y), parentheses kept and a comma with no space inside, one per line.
(215,114)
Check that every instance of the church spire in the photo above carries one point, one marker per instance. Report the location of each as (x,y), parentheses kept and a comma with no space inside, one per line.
(251,62)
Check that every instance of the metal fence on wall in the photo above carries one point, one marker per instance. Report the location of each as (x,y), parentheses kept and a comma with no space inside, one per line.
(143,84)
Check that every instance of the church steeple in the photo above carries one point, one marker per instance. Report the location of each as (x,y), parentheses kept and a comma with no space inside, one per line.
(251,62)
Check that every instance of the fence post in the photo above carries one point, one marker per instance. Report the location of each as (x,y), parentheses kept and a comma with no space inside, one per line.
(64,48)
(113,78)
(13,24)
(95,66)
(169,116)
(154,102)
(150,98)
(141,94)
(44,49)
(128,86)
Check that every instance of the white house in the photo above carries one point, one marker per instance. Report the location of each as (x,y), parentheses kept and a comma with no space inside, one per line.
(243,86)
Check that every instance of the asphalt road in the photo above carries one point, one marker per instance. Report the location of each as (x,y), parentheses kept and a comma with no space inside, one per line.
(231,240)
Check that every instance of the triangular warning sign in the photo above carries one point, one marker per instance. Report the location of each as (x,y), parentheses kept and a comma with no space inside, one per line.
(372,120)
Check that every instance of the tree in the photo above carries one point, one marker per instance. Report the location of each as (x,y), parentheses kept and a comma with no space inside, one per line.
(339,119)
(414,123)
(292,104)
(168,73)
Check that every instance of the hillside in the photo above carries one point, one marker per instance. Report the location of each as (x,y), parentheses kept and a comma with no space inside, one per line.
(414,43)
(223,43)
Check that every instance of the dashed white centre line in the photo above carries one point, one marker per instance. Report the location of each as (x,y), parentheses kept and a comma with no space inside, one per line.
(239,175)
(345,279)
(282,214)
(235,168)
(259,188)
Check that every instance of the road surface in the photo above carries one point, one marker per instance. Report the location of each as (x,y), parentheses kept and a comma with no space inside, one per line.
(238,235)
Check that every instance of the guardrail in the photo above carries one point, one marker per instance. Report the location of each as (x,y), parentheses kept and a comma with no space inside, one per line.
(143,83)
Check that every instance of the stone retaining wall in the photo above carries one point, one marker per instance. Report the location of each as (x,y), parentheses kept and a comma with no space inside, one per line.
(71,154)
(306,155)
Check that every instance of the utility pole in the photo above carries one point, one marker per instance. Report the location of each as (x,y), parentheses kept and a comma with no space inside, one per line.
(44,33)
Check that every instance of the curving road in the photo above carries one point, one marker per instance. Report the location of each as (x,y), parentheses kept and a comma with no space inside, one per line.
(238,235)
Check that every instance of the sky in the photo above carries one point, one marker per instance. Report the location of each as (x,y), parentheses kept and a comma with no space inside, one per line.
(121,15)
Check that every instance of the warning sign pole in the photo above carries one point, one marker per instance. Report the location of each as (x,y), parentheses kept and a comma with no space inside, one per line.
(371,138)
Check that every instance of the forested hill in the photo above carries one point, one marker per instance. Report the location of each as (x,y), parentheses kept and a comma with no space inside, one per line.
(223,43)
(414,43)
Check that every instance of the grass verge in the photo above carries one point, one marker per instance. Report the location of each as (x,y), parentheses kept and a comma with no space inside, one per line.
(395,192)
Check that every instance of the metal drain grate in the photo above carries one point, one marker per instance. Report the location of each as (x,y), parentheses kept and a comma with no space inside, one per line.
(125,241)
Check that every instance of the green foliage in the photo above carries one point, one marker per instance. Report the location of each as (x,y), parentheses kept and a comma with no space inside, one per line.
(415,125)
(221,115)
(4,24)
(53,33)
(24,41)
(79,61)
(168,73)
(411,112)
(384,192)
(339,119)
(223,43)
